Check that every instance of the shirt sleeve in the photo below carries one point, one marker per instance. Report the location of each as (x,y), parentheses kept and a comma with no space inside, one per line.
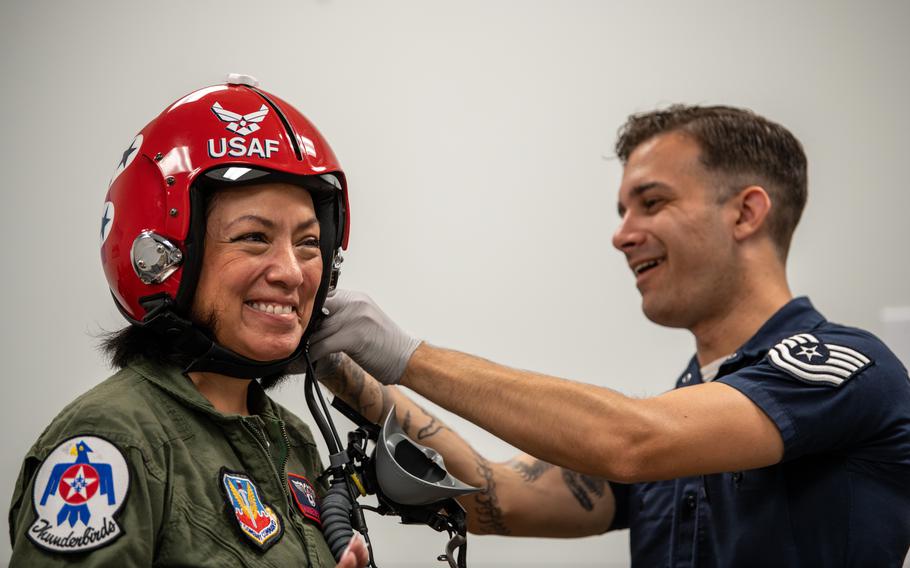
(816,411)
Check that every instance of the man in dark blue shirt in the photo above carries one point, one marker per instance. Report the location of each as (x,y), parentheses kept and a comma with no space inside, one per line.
(838,497)
(787,439)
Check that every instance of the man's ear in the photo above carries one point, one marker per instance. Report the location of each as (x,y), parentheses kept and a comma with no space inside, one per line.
(753,205)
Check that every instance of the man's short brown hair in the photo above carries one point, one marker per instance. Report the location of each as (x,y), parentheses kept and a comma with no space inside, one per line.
(743,147)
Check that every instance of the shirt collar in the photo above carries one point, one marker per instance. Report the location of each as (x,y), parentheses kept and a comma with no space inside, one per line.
(170,379)
(795,316)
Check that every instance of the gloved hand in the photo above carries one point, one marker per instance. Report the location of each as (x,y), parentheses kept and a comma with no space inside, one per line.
(358,327)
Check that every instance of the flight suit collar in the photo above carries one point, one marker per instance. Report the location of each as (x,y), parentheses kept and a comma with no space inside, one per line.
(172,380)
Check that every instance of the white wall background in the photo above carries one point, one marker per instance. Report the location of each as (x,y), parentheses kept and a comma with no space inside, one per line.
(472,133)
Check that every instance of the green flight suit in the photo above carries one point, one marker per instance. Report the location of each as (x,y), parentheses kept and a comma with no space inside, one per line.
(175,445)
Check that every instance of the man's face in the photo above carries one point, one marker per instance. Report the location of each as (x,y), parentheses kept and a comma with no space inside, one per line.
(675,234)
(261,269)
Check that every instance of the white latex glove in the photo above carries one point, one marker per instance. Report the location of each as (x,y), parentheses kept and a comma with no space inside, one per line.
(356,326)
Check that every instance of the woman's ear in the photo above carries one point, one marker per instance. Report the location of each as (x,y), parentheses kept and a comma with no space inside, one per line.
(753,205)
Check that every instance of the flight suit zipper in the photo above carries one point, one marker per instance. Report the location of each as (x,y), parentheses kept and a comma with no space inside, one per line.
(283,472)
(259,434)
(263,441)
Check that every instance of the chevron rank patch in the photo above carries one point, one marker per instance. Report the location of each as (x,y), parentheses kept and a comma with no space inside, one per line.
(255,518)
(79,488)
(806,358)
(304,496)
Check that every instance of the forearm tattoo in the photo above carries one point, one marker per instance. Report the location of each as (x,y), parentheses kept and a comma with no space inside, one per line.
(330,373)
(489,515)
(357,382)
(386,396)
(430,429)
(350,382)
(585,488)
(531,472)
(406,425)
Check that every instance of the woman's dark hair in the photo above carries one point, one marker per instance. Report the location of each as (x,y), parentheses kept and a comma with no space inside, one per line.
(133,342)
(123,346)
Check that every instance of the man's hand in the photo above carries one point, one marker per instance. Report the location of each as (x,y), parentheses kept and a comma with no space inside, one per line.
(358,327)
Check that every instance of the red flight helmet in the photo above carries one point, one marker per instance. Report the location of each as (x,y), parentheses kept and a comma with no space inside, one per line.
(153,223)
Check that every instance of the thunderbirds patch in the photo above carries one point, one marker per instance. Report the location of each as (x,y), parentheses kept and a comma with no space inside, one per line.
(811,361)
(304,496)
(79,488)
(256,519)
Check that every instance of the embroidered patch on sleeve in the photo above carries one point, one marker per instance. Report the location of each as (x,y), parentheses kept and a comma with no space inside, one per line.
(256,519)
(304,496)
(806,358)
(80,486)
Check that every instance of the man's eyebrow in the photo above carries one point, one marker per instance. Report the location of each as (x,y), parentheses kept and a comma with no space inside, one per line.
(639,189)
(636,192)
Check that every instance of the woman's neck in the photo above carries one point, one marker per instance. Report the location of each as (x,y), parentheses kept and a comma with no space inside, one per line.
(227,394)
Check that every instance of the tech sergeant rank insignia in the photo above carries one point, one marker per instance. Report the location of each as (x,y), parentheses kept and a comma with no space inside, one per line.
(811,361)
(79,488)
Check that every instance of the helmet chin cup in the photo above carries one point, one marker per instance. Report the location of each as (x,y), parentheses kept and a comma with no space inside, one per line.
(410,473)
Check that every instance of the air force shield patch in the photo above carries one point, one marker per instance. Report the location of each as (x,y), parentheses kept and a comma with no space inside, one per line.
(806,358)
(304,496)
(256,519)
(79,488)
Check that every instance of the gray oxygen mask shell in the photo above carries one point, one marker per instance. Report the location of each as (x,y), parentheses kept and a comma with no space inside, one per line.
(410,473)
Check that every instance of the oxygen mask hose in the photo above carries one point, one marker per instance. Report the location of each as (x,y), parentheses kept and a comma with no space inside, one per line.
(336,517)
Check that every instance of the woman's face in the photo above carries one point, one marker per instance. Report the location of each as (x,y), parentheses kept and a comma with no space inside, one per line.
(261,269)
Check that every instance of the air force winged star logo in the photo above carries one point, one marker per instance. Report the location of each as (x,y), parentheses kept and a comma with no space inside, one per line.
(242,124)
(806,358)
(75,499)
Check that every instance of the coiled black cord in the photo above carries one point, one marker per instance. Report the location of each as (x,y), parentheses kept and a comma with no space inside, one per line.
(336,517)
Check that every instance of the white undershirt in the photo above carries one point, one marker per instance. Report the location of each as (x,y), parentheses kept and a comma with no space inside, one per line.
(709,371)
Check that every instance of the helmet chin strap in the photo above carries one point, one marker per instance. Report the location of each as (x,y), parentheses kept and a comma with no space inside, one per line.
(207,354)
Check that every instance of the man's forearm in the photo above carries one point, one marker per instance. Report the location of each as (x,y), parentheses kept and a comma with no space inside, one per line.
(701,429)
(374,400)
(582,427)
(524,497)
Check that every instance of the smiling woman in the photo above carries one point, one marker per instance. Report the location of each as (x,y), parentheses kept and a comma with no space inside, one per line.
(261,269)
(219,263)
